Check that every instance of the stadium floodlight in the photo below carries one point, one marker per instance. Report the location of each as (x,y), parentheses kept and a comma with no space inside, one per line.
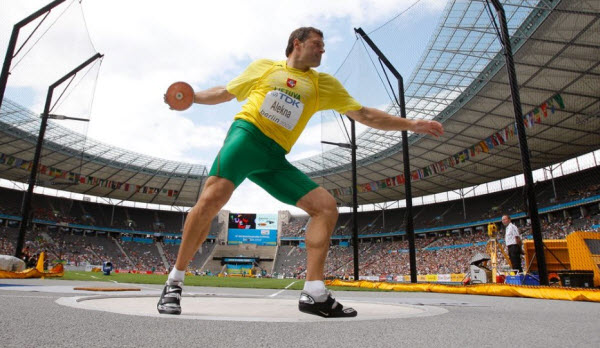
(26,207)
(410,230)
(536,228)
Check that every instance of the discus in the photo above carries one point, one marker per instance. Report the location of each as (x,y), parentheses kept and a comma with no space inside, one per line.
(179,96)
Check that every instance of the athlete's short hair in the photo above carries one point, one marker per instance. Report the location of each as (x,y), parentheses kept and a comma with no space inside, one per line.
(301,34)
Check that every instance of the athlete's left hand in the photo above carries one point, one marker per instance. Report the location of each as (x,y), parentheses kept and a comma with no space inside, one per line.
(428,127)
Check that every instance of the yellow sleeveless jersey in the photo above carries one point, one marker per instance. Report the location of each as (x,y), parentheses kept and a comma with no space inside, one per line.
(281,99)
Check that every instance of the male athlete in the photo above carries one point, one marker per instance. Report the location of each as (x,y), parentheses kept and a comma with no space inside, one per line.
(282,96)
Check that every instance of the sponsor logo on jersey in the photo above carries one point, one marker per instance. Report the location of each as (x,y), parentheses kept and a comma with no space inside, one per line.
(288,92)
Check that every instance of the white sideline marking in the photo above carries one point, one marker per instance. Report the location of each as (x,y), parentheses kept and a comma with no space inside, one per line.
(284,289)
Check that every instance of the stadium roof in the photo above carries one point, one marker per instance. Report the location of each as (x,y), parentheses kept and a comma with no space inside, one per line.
(460,81)
(115,173)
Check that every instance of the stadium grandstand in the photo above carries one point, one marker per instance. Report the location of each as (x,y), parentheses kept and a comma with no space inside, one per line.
(96,202)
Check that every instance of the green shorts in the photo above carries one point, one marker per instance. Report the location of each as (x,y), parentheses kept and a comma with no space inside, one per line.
(248,153)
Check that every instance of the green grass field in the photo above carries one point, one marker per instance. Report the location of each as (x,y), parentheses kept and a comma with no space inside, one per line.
(209,281)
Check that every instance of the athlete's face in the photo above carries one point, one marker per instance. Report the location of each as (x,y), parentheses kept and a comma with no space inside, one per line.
(311,50)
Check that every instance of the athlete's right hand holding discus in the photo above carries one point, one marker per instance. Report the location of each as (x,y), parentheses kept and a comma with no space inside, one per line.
(179,96)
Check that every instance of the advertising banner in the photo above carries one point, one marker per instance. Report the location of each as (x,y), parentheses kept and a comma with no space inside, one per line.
(444,278)
(432,277)
(457,277)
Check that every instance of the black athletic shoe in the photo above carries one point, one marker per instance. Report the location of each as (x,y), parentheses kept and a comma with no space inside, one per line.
(169,302)
(328,309)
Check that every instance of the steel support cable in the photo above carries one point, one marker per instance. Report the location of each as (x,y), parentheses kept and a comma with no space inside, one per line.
(395,17)
(378,74)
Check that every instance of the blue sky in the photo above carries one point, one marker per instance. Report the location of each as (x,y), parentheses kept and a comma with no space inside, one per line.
(149,44)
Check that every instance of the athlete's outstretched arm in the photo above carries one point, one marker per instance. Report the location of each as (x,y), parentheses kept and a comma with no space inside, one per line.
(376,118)
(212,96)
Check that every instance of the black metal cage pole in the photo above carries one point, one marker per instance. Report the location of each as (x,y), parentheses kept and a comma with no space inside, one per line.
(354,200)
(410,231)
(516,99)
(26,207)
(12,44)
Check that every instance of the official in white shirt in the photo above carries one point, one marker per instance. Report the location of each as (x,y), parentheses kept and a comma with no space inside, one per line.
(513,243)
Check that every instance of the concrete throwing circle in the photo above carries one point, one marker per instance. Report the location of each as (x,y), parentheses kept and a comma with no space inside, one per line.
(239,308)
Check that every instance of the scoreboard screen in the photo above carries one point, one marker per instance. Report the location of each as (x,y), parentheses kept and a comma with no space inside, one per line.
(260,229)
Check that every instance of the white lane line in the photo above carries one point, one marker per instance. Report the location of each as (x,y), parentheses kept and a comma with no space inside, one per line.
(280,291)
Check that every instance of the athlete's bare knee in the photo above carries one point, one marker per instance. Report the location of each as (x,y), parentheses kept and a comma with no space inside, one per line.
(326,208)
(215,194)
(319,203)
(317,242)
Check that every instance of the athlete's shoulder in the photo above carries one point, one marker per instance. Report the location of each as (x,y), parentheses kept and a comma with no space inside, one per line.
(262,63)
(326,78)
(323,75)
(328,82)
(278,63)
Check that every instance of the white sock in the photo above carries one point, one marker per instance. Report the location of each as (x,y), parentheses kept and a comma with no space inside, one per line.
(176,276)
(316,288)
